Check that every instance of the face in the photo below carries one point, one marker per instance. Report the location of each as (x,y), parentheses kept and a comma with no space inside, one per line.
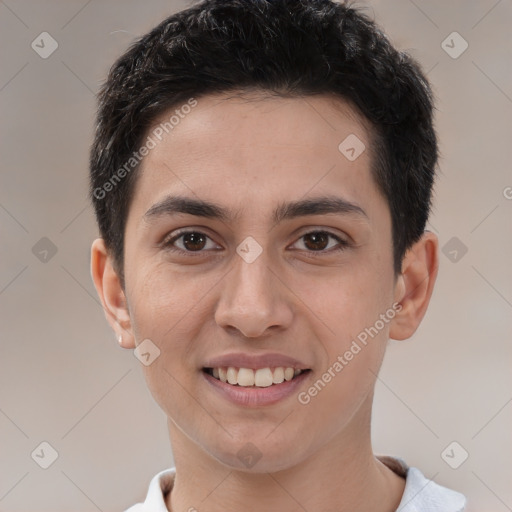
(278,255)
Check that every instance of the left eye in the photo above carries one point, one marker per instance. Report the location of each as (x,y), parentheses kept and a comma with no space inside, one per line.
(318,241)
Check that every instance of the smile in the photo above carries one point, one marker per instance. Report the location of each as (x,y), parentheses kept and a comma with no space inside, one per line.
(247,377)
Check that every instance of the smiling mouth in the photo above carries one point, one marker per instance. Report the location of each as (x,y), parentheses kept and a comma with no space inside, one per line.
(259,378)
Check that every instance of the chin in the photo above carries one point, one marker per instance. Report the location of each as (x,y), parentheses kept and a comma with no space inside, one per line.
(257,463)
(257,453)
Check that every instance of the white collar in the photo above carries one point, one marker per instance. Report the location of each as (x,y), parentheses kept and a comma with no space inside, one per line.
(420,494)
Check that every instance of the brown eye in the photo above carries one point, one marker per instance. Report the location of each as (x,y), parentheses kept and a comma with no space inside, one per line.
(316,241)
(194,241)
(319,241)
(189,242)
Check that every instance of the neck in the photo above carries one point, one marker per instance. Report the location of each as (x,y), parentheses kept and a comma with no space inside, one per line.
(343,476)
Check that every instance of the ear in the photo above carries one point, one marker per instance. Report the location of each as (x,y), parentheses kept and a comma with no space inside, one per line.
(111,293)
(414,286)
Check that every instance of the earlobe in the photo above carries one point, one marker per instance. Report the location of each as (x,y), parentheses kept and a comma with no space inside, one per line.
(415,285)
(111,294)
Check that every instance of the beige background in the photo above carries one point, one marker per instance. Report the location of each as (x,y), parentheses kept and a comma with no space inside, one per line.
(64,380)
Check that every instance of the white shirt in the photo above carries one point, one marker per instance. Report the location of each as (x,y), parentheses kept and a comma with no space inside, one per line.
(420,494)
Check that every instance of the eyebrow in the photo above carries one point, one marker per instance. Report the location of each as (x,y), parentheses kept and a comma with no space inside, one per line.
(172,205)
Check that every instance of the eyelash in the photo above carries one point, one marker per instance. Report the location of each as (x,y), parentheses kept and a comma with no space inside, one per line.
(168,244)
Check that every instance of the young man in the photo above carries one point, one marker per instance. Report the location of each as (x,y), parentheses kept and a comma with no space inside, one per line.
(261,175)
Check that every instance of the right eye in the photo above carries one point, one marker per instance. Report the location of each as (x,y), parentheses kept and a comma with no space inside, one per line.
(191,242)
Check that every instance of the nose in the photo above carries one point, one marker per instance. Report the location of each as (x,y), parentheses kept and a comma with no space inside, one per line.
(253,299)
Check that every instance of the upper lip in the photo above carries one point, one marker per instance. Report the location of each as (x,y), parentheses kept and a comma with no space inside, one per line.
(268,360)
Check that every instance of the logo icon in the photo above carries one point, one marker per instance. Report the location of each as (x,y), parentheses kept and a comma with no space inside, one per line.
(454,455)
(249,249)
(146,352)
(454,45)
(249,455)
(44,455)
(352,147)
(44,45)
(44,250)
(454,249)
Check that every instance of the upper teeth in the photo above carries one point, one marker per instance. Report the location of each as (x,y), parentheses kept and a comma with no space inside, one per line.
(262,377)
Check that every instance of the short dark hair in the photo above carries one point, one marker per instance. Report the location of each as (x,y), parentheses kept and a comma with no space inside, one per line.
(292,48)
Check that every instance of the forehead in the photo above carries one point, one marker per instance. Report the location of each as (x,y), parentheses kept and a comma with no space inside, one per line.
(255,149)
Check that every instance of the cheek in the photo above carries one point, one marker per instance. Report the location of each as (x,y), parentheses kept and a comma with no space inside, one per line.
(349,300)
(164,309)
(163,299)
(351,306)
(344,384)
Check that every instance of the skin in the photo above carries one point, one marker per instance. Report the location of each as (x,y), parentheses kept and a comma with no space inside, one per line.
(250,156)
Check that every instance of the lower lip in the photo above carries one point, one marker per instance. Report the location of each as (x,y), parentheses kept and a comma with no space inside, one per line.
(254,396)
